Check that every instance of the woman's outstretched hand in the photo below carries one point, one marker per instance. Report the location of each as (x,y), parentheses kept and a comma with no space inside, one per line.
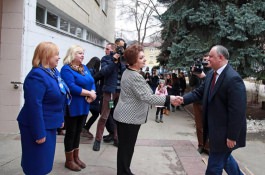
(176,100)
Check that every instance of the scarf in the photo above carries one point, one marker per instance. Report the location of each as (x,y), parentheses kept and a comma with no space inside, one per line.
(79,69)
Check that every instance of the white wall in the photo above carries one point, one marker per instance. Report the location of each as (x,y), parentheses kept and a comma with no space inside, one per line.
(35,34)
(19,37)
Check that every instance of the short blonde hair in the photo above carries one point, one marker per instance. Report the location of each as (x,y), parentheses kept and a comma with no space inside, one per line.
(43,52)
(70,55)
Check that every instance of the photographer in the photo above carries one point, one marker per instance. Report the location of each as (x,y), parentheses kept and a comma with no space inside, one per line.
(198,73)
(112,67)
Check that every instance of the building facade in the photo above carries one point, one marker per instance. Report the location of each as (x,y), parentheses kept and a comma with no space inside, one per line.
(151,51)
(26,23)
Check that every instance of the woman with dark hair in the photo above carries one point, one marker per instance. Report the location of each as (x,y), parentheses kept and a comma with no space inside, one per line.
(154,80)
(133,105)
(182,83)
(93,65)
(175,89)
(148,78)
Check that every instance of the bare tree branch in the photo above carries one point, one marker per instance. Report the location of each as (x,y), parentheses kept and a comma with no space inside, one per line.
(142,12)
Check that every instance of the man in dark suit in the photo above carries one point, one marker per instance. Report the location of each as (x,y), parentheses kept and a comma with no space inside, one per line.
(224,112)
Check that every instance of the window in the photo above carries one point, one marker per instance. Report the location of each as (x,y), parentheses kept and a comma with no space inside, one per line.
(64,25)
(40,14)
(87,35)
(47,18)
(52,19)
(75,30)
(79,32)
(104,6)
(72,29)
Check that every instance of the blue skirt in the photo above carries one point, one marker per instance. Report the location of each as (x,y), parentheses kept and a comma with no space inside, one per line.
(37,159)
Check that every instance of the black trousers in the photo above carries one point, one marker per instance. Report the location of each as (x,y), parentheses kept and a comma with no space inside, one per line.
(92,119)
(159,110)
(127,134)
(73,128)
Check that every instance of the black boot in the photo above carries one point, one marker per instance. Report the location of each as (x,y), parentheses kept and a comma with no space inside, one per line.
(96,146)
(157,120)
(108,138)
(161,119)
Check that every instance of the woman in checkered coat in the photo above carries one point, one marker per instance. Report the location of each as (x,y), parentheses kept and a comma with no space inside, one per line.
(132,109)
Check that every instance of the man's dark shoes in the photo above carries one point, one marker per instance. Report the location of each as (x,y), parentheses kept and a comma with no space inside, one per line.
(116,142)
(96,146)
(203,150)
(200,149)
(108,138)
(206,151)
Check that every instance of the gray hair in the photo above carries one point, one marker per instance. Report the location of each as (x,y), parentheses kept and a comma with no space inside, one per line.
(221,50)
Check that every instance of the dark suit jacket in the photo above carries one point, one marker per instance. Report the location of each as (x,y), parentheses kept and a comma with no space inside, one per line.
(224,110)
(110,70)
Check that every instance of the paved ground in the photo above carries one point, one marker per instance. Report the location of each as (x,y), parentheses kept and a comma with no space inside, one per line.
(161,149)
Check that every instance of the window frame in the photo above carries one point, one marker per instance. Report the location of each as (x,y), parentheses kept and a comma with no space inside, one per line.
(79,31)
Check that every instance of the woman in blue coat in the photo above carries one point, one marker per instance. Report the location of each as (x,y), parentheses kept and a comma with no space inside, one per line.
(45,96)
(82,88)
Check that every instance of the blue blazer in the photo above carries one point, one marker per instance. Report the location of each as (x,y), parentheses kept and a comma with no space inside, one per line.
(224,109)
(76,82)
(109,70)
(44,103)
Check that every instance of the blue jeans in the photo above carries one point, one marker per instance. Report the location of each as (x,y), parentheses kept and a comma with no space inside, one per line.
(219,161)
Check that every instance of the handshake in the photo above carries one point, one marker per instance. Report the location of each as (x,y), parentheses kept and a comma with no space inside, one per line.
(176,100)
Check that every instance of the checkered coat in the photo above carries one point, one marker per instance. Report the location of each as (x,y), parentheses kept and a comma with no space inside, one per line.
(135,98)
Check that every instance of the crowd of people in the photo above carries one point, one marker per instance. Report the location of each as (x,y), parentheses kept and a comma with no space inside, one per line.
(118,94)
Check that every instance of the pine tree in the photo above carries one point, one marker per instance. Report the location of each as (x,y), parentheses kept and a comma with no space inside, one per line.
(191,28)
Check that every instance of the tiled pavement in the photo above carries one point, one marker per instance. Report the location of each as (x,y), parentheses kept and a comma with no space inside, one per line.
(161,149)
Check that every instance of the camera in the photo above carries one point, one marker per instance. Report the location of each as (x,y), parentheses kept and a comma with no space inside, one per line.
(198,65)
(119,50)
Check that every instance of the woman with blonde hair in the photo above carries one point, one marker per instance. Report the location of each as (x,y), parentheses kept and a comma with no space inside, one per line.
(45,95)
(82,88)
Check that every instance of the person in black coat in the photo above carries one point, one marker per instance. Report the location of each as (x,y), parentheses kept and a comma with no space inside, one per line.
(223,95)
(147,78)
(196,78)
(93,65)
(182,83)
(112,68)
(154,80)
(175,89)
